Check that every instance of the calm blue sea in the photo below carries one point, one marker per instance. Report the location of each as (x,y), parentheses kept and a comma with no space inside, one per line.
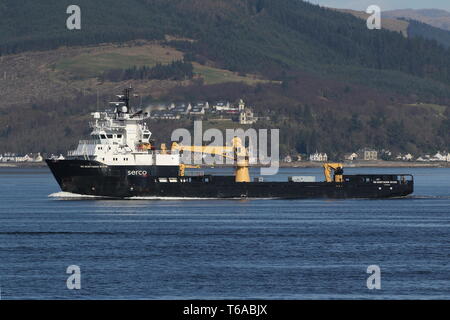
(224,249)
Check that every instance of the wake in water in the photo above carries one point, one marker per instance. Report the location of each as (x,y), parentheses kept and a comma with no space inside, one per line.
(74,196)
(428,197)
(192,198)
(71,196)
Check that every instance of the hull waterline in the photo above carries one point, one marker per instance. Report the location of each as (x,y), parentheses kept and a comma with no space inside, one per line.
(87,177)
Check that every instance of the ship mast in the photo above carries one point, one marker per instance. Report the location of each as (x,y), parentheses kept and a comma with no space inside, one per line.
(125,98)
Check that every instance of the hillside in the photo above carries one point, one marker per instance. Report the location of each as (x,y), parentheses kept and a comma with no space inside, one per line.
(420,29)
(392,24)
(436,18)
(68,72)
(321,76)
(407,26)
(239,35)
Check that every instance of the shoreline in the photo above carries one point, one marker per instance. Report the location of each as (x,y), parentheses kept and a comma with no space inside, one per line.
(302,164)
(371,164)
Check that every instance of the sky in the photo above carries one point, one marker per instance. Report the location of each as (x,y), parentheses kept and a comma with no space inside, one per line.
(362,5)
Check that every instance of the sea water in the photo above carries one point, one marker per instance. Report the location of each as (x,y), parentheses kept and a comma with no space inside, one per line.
(224,249)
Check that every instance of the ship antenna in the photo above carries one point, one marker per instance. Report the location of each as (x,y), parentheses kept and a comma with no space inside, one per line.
(126,98)
(98,102)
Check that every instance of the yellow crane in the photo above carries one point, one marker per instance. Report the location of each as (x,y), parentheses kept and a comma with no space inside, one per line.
(238,152)
(338,172)
(183,168)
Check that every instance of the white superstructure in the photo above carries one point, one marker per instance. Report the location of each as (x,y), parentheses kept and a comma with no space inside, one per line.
(120,137)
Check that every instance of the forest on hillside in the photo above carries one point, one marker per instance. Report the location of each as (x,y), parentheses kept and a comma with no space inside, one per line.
(339,85)
(176,70)
(259,36)
(425,31)
(306,124)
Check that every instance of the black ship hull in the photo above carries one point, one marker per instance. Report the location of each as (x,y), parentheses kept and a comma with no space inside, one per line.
(96,179)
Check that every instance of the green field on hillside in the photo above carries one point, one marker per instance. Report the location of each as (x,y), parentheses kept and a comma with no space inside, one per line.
(436,107)
(93,64)
(214,75)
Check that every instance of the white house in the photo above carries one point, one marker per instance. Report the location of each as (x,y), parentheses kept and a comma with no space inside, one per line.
(350,156)
(404,157)
(439,157)
(202,105)
(198,110)
(33,157)
(320,157)
(367,154)
(241,105)
(222,106)
(247,117)
(408,157)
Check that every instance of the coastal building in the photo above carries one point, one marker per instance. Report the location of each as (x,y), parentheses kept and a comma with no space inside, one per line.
(221,106)
(182,109)
(439,157)
(9,157)
(30,157)
(319,157)
(247,117)
(201,105)
(405,157)
(350,156)
(165,115)
(241,105)
(408,157)
(197,110)
(223,109)
(367,154)
(38,157)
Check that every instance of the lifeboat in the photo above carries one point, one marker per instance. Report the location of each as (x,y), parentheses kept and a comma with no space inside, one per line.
(144,146)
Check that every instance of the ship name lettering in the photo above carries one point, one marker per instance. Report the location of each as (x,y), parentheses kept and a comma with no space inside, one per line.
(137,172)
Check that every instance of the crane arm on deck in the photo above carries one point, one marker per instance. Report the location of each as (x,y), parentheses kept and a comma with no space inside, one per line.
(237,150)
(338,172)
